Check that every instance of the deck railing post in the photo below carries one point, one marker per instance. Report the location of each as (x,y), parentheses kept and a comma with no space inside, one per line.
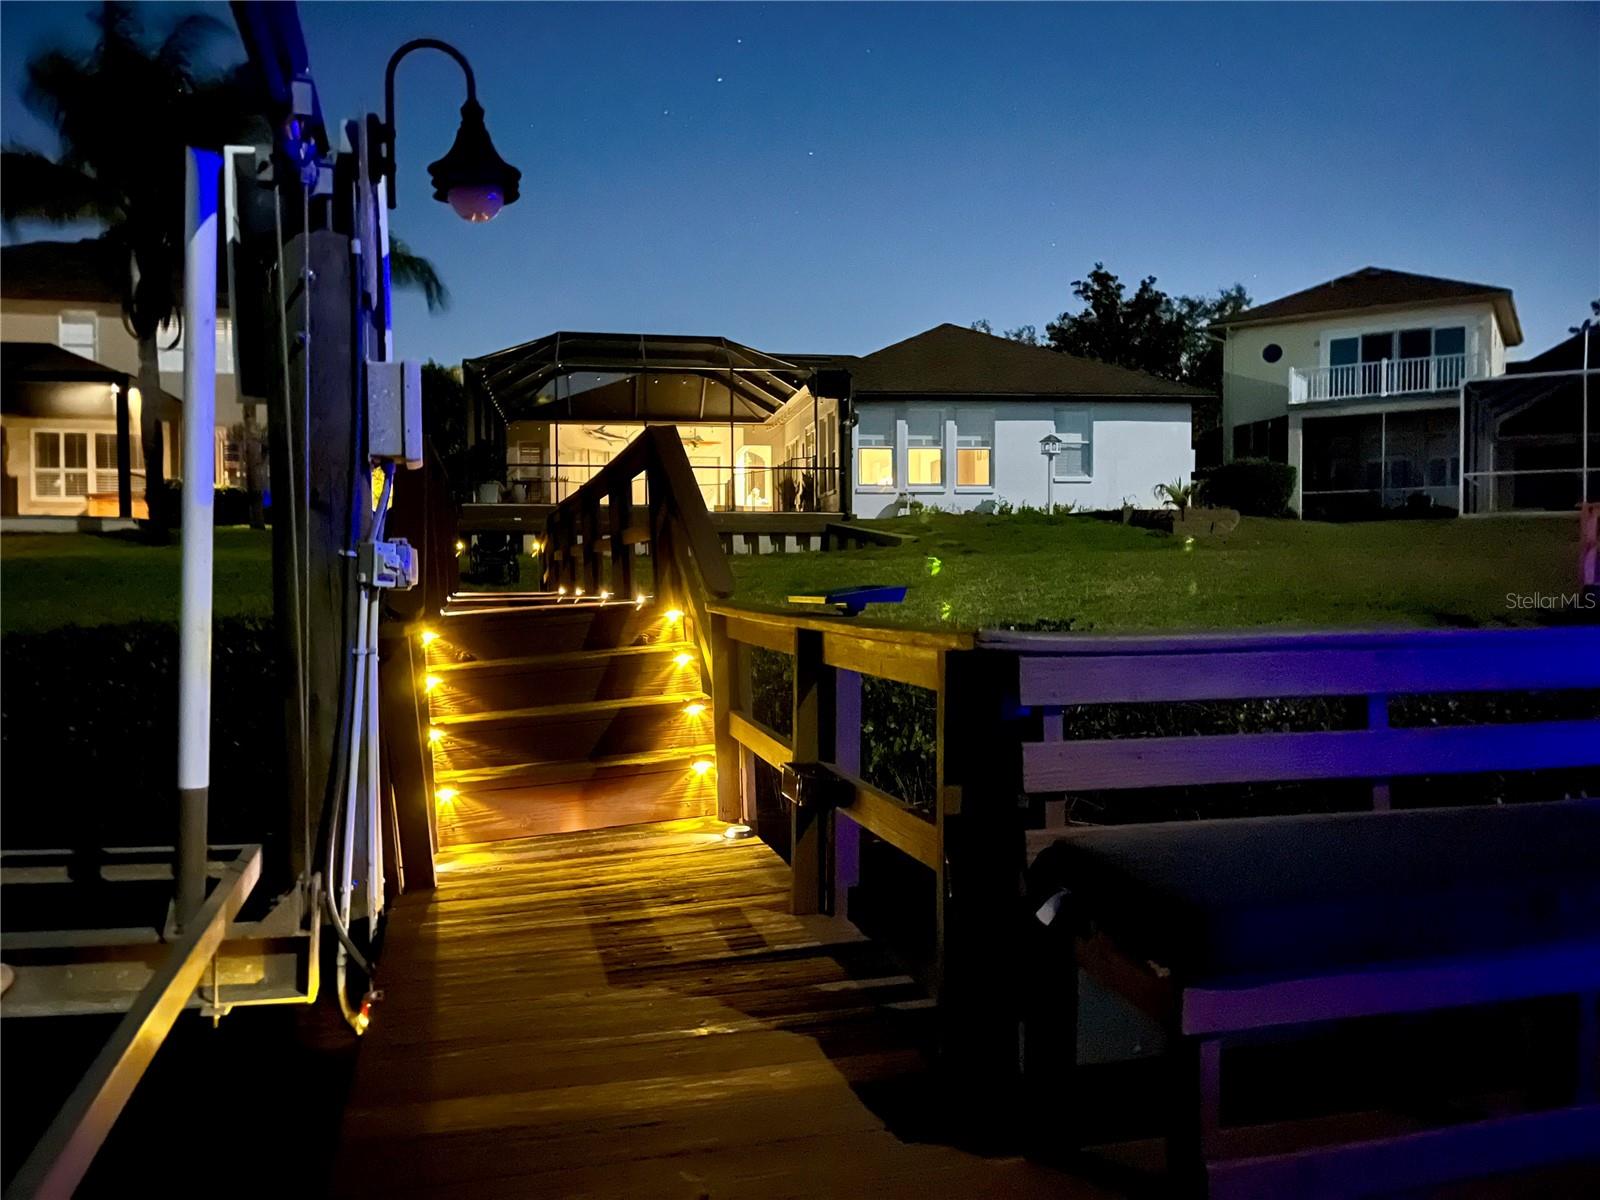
(982,864)
(845,842)
(621,551)
(724,699)
(812,741)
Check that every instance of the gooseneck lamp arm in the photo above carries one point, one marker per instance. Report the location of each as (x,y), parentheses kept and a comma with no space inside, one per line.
(471,178)
(388,97)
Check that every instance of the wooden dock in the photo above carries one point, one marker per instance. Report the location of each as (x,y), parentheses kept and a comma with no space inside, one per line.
(633,1012)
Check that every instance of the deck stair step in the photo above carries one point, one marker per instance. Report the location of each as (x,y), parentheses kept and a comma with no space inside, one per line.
(580,708)
(544,711)
(646,762)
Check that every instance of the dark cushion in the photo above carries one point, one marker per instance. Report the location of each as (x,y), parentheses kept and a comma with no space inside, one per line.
(1275,895)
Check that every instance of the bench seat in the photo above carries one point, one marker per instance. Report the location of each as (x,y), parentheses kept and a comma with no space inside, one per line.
(1223,929)
(1283,895)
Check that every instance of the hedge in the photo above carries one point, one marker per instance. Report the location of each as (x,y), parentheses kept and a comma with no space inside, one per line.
(1257,487)
(89,735)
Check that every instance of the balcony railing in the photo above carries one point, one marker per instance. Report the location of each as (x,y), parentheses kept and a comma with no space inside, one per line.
(1386,377)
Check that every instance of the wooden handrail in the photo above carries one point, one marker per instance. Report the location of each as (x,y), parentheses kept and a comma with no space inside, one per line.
(674,500)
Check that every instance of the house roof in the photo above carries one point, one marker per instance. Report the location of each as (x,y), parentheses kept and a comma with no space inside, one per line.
(41,362)
(633,376)
(23,364)
(76,272)
(1379,288)
(1563,356)
(951,360)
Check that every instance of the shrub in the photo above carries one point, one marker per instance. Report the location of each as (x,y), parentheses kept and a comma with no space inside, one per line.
(230,506)
(89,736)
(1257,487)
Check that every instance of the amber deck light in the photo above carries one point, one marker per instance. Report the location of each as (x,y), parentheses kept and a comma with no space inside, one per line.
(700,766)
(693,710)
(682,659)
(429,637)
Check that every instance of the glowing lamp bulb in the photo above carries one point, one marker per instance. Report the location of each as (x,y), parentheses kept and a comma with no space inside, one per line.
(577,591)
(429,637)
(562,590)
(436,735)
(682,659)
(476,203)
(460,547)
(445,795)
(430,682)
(674,614)
(638,601)
(693,710)
(605,595)
(700,766)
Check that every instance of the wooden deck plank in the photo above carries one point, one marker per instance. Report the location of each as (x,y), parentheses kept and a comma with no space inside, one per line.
(633,1012)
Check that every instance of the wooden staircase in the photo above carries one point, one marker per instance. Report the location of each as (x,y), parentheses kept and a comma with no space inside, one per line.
(552,715)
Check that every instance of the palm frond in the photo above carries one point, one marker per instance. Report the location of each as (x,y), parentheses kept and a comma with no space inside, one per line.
(411,270)
(39,188)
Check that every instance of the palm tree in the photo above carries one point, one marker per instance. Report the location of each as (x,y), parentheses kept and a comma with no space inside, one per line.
(123,113)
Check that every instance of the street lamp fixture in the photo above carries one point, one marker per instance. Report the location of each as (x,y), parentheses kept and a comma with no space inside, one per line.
(1050,446)
(471,178)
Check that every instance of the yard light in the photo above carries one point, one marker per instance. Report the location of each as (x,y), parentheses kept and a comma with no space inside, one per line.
(638,601)
(429,637)
(435,735)
(430,682)
(693,710)
(1050,446)
(471,178)
(674,614)
(445,795)
(461,547)
(562,590)
(682,659)
(700,766)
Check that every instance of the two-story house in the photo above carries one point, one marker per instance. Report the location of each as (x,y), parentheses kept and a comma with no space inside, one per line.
(1357,382)
(70,360)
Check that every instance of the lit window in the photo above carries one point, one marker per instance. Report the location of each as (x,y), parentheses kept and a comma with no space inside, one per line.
(1074,426)
(61,465)
(974,448)
(875,447)
(76,332)
(169,346)
(924,447)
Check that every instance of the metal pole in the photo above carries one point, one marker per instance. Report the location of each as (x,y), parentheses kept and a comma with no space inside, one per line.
(203,169)
(1584,449)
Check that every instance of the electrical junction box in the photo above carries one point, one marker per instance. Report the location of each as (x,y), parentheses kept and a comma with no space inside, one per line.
(388,565)
(394,412)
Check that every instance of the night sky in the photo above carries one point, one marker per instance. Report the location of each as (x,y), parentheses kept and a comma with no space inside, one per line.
(834,178)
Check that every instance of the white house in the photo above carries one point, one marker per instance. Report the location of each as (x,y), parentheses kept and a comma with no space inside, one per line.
(952,418)
(1357,383)
(955,418)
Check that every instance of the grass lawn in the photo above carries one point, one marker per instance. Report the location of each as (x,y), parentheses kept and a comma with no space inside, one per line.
(1079,573)
(52,579)
(1062,572)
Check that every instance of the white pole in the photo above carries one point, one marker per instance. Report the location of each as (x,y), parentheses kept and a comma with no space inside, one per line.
(374,801)
(1584,452)
(1461,450)
(203,170)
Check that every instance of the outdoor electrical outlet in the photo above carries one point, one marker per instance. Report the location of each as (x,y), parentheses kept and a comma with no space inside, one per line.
(394,412)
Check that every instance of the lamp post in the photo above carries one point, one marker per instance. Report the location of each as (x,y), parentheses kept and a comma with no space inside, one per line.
(1050,446)
(471,178)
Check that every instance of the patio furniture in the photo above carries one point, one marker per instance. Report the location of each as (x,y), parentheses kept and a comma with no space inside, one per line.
(1234,931)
